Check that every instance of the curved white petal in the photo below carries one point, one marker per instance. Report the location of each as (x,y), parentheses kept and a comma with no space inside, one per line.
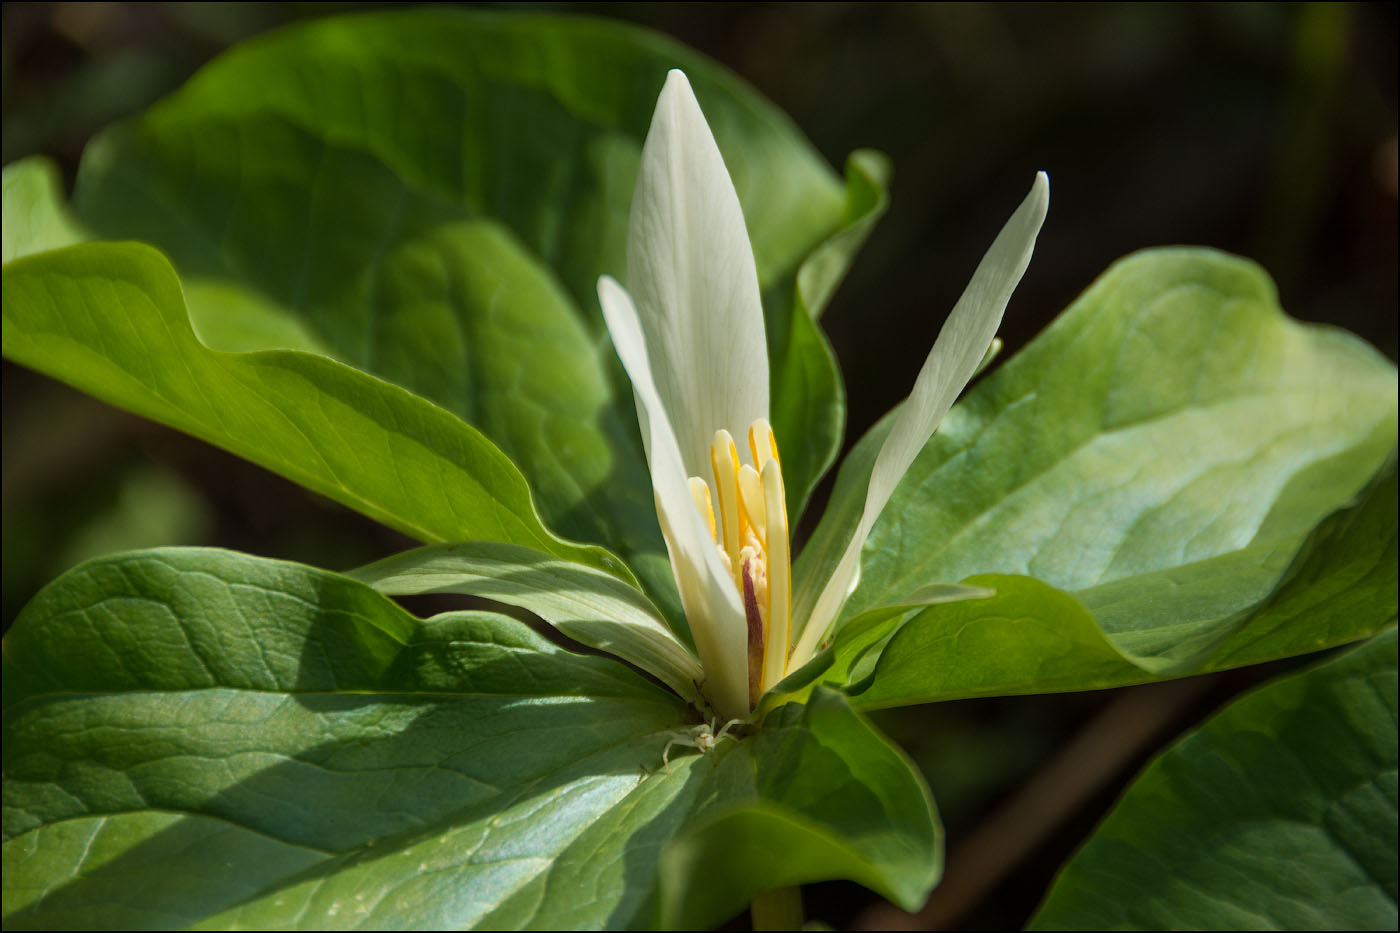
(710,600)
(691,272)
(955,357)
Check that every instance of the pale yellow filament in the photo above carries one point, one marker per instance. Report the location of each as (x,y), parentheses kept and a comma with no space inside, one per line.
(778,624)
(724,460)
(763,444)
(751,501)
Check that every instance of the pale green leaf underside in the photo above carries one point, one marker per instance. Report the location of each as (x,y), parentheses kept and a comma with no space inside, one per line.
(36,218)
(202,738)
(1278,814)
(587,605)
(1162,453)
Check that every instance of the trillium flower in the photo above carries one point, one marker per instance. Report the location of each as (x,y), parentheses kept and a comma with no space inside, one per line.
(689,331)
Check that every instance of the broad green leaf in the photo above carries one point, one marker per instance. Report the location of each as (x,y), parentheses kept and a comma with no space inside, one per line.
(110,319)
(862,642)
(343,763)
(1278,814)
(1028,638)
(1163,453)
(817,795)
(196,737)
(1343,587)
(587,605)
(431,195)
(1032,638)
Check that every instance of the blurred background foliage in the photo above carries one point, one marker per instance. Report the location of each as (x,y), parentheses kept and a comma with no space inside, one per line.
(1263,129)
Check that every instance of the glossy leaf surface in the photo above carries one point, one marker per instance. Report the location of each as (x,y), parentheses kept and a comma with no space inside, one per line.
(198,737)
(430,196)
(1172,453)
(1278,814)
(110,319)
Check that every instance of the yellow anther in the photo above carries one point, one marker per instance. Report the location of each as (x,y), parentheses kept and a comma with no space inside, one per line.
(724,459)
(778,624)
(751,499)
(700,492)
(762,443)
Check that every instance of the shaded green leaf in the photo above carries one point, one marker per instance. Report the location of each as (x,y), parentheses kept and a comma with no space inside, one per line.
(1278,814)
(807,397)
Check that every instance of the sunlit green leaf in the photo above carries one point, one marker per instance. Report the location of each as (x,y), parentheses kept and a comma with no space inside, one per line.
(201,738)
(1278,814)
(431,195)
(36,218)
(1164,454)
(110,319)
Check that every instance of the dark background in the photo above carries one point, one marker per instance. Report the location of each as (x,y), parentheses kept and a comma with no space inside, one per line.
(1267,130)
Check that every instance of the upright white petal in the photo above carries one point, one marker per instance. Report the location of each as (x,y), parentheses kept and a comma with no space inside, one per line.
(954,359)
(691,273)
(708,596)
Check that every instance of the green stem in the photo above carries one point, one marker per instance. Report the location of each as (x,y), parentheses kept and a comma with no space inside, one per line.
(779,909)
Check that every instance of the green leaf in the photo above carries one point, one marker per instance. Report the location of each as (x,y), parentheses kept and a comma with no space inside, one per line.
(1339,590)
(1028,638)
(1164,453)
(1278,814)
(336,758)
(36,218)
(1032,638)
(587,605)
(196,737)
(431,195)
(110,319)
(808,399)
(817,795)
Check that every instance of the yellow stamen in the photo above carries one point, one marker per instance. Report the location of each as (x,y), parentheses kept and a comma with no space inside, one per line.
(700,492)
(763,444)
(724,460)
(746,513)
(751,501)
(778,624)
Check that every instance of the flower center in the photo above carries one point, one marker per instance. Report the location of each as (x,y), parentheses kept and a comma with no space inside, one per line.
(751,534)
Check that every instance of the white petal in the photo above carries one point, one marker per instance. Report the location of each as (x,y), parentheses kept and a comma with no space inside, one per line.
(691,272)
(708,596)
(955,357)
